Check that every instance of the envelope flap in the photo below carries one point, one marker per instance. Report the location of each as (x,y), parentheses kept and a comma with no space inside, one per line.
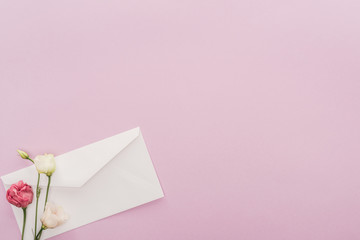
(75,168)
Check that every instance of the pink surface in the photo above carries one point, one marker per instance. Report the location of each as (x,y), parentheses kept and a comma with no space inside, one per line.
(250,109)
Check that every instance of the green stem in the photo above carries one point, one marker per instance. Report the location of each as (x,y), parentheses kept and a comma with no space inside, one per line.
(39,234)
(37,203)
(47,191)
(23,229)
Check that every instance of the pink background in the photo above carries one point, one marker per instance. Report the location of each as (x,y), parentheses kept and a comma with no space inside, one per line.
(250,109)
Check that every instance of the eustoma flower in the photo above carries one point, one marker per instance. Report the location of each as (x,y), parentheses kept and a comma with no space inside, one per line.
(20,195)
(45,164)
(53,216)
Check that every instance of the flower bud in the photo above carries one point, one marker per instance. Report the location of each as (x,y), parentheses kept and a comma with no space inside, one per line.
(23,154)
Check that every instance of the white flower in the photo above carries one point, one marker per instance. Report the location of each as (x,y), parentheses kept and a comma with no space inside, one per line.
(45,164)
(53,216)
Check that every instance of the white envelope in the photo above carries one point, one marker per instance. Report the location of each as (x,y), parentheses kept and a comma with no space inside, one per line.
(93,182)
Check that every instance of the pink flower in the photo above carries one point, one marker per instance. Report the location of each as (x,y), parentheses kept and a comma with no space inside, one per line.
(20,194)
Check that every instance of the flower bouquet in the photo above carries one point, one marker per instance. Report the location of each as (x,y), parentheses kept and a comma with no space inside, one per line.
(21,195)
